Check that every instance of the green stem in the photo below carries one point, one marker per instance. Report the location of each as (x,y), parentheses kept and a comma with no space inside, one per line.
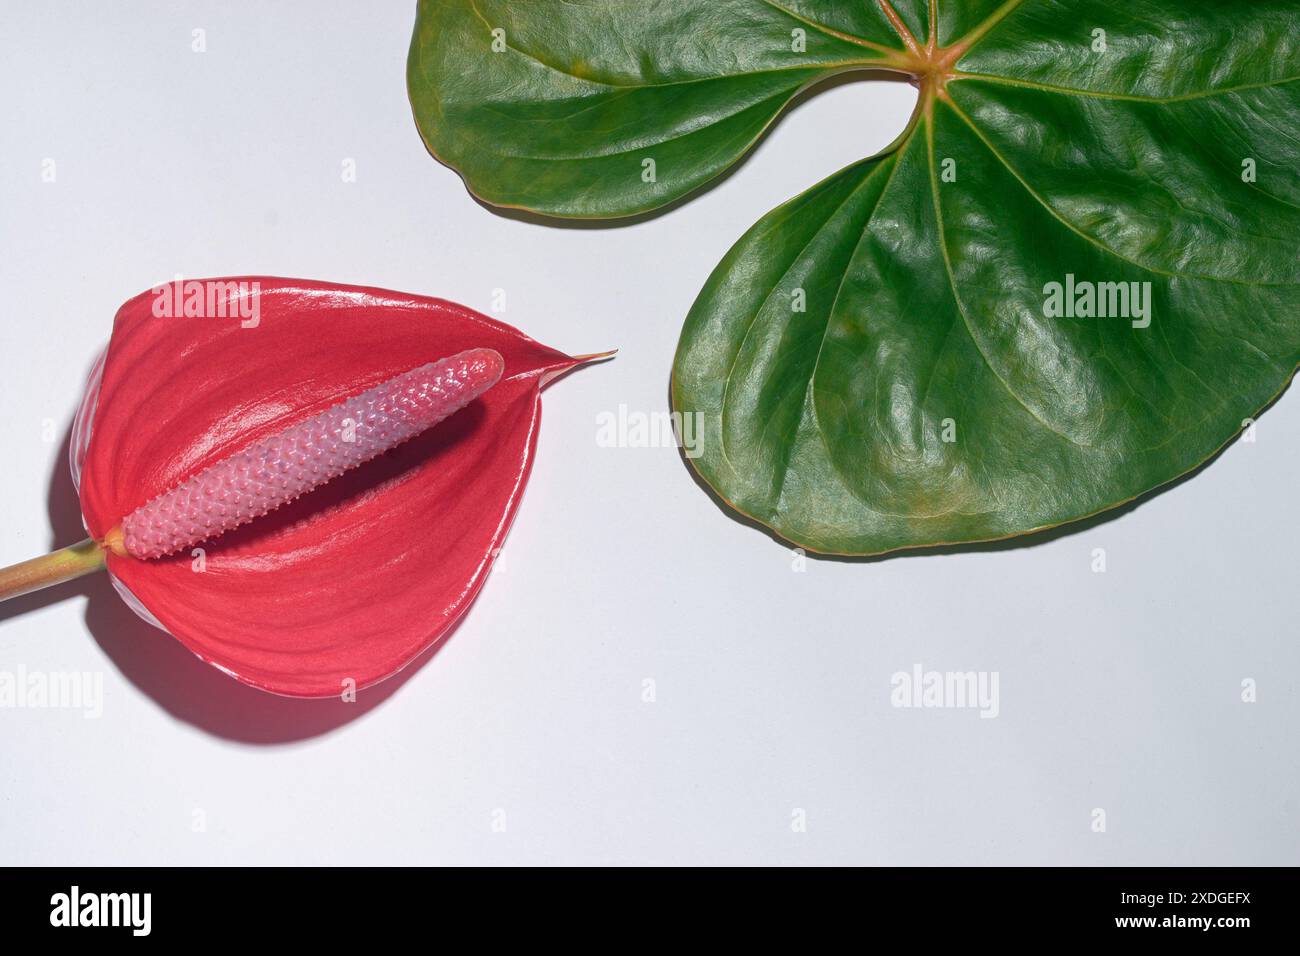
(53,568)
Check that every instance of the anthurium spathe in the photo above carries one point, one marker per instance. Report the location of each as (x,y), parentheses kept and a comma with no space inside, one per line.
(219,456)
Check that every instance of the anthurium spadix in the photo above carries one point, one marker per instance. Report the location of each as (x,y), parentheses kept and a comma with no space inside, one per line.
(304,483)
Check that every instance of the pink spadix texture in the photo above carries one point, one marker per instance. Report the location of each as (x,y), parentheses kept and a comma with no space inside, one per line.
(276,470)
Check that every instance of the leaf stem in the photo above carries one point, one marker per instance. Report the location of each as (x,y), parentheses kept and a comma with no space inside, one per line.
(65,564)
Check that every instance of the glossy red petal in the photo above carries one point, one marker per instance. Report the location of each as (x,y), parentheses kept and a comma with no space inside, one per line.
(355,579)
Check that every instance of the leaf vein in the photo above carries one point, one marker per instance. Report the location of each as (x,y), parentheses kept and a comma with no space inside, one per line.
(1093,239)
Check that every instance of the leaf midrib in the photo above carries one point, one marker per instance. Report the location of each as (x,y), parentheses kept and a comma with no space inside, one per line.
(956,296)
(1132,97)
(864,62)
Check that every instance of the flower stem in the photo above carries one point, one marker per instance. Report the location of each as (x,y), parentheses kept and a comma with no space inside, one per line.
(53,568)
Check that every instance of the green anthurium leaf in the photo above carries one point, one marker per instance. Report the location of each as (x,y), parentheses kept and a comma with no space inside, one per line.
(609,108)
(1072,279)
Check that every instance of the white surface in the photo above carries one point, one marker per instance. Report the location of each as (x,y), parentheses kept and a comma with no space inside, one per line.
(1118,691)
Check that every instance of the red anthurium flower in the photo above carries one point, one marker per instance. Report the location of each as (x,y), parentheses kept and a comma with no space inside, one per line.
(220,400)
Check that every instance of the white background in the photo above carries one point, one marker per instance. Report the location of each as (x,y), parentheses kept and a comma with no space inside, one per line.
(1119,691)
